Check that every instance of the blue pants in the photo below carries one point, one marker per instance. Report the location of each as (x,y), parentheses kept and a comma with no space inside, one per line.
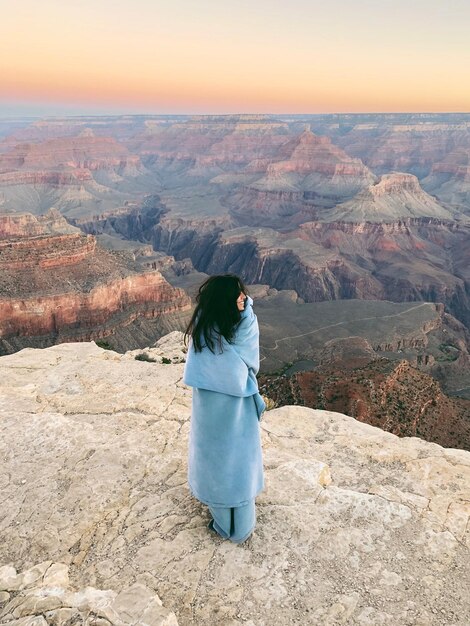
(236,523)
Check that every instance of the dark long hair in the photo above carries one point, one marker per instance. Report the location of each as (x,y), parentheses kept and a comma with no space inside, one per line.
(216,314)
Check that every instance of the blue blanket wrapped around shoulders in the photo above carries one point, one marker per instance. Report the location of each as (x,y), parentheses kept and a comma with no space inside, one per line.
(232,370)
(225,467)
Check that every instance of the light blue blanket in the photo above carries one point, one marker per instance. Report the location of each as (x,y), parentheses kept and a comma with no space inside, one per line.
(232,370)
(225,467)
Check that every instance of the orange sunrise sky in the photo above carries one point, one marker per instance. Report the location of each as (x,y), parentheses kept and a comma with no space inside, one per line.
(184,56)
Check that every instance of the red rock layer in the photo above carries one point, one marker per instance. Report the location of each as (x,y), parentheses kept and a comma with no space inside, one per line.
(66,161)
(45,252)
(86,316)
(54,179)
(413,238)
(395,397)
(309,153)
(404,148)
(15,225)
(64,287)
(78,152)
(214,142)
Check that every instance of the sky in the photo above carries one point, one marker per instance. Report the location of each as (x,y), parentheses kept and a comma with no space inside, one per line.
(233,56)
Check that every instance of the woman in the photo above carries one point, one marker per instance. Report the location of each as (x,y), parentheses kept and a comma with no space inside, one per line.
(225,468)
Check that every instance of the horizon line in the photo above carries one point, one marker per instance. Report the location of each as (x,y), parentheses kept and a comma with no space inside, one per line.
(267,114)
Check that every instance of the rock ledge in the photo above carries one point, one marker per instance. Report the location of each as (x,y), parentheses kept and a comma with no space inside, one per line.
(356,526)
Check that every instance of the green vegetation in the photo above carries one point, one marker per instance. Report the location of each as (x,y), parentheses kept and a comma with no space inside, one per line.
(165,360)
(101,343)
(144,357)
(450,352)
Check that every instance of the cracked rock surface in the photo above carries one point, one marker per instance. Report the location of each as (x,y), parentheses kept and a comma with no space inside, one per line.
(355,526)
(42,595)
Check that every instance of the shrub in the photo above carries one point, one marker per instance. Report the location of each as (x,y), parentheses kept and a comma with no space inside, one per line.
(165,360)
(142,356)
(101,343)
(270,404)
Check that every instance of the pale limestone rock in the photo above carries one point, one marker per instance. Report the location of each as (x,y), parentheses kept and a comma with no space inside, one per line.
(32,604)
(355,526)
(29,621)
(133,601)
(60,606)
(56,575)
(139,605)
(31,576)
(169,347)
(172,345)
(8,577)
(62,616)
(307,478)
(11,581)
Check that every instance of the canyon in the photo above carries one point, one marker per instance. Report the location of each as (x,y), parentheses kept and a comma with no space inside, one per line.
(409,259)
(297,333)
(74,173)
(57,284)
(352,232)
(330,208)
(395,396)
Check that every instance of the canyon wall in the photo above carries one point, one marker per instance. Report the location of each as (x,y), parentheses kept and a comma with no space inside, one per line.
(84,316)
(394,396)
(263,197)
(406,260)
(64,287)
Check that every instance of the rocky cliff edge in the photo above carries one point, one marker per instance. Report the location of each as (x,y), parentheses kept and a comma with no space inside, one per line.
(97,525)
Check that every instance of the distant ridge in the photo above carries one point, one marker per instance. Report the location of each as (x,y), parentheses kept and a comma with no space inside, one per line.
(395,196)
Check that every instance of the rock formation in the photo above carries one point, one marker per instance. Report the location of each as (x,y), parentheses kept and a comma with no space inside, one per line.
(392,395)
(80,152)
(296,335)
(58,285)
(42,595)
(449,179)
(17,225)
(408,143)
(265,197)
(73,172)
(205,145)
(395,196)
(355,525)
(37,131)
(404,260)
(304,174)
(314,164)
